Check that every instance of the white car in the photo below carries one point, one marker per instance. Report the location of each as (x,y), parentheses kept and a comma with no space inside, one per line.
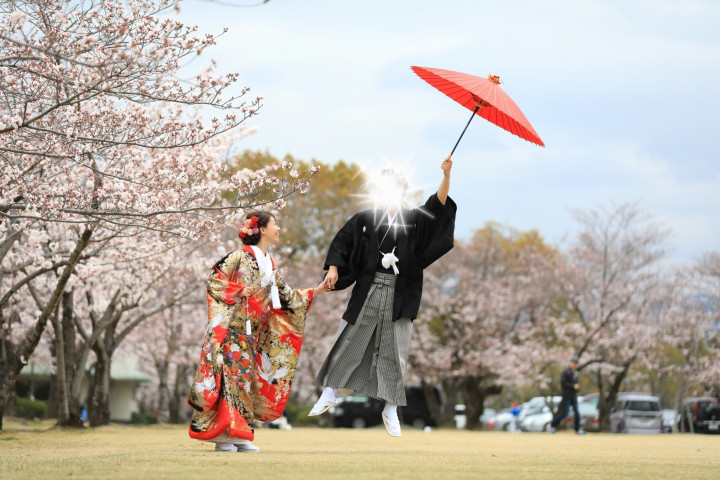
(540,422)
(537,422)
(536,405)
(636,413)
(501,421)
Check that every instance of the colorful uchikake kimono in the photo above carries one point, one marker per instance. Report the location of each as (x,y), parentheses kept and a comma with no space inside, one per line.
(250,349)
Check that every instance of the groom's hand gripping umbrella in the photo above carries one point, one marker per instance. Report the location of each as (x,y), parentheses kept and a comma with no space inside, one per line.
(484,97)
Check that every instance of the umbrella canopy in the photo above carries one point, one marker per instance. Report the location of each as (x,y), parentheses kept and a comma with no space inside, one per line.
(484,97)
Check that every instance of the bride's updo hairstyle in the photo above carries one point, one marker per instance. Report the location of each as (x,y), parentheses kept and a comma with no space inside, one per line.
(250,230)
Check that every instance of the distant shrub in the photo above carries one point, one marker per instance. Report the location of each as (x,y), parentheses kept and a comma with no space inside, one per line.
(30,409)
(297,415)
(137,418)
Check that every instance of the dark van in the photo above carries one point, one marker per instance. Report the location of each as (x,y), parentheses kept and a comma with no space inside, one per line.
(416,412)
(360,411)
(700,415)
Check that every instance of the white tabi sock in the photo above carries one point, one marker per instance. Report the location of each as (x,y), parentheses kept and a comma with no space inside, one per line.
(390,409)
(329,394)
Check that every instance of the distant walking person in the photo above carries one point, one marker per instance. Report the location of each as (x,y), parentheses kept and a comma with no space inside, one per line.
(570,387)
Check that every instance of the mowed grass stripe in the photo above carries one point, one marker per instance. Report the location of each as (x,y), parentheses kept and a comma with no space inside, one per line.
(164,451)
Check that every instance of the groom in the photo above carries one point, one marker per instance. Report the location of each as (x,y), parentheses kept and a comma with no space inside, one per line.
(383,252)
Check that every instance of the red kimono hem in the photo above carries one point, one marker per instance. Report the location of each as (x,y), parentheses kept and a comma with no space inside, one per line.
(223,424)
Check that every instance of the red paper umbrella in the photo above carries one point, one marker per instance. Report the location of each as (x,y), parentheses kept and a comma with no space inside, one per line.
(484,97)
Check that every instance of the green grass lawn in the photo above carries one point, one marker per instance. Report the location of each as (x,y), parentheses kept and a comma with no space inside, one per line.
(166,452)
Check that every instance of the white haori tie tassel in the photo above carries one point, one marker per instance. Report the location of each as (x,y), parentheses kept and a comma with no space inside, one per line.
(275,296)
(390,260)
(248,326)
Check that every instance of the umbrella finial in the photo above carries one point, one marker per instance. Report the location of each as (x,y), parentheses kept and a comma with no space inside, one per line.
(494,78)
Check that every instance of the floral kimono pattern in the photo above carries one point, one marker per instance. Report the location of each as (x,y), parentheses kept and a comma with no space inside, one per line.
(245,377)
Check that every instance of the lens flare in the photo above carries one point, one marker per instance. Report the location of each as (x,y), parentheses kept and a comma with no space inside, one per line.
(390,189)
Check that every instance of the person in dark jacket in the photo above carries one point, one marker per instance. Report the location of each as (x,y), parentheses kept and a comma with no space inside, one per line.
(570,387)
(383,252)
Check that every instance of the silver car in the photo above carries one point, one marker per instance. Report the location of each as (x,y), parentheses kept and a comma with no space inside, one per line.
(636,413)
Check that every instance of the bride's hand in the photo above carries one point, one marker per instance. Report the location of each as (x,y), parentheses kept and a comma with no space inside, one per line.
(322,288)
(241,295)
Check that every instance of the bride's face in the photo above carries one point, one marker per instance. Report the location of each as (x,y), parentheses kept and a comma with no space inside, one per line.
(271,231)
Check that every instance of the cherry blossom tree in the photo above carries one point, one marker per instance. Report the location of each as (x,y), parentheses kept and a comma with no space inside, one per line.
(615,289)
(686,346)
(168,342)
(174,339)
(102,139)
(708,371)
(483,318)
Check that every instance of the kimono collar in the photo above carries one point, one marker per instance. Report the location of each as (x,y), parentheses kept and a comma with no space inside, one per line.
(265,264)
(249,249)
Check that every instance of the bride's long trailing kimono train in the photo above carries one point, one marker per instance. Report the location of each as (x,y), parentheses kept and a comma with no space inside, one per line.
(245,377)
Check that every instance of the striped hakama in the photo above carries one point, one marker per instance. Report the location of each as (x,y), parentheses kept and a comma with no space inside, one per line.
(371,355)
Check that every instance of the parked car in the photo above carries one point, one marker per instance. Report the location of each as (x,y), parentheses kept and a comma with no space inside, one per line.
(536,405)
(531,407)
(589,414)
(589,417)
(357,411)
(591,399)
(360,411)
(669,419)
(501,420)
(416,412)
(540,422)
(636,413)
(537,422)
(487,414)
(461,419)
(702,413)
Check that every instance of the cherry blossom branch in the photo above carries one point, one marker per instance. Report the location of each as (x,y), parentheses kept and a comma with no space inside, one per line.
(26,280)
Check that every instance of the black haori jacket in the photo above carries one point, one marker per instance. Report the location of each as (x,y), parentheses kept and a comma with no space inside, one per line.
(423,235)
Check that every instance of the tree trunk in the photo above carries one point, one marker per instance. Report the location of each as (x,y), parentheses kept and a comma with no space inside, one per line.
(180,393)
(605,408)
(7,350)
(474,400)
(474,394)
(74,366)
(80,353)
(603,404)
(63,413)
(434,407)
(99,400)
(163,388)
(27,348)
(451,387)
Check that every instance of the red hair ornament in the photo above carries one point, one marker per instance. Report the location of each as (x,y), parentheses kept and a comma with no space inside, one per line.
(249,227)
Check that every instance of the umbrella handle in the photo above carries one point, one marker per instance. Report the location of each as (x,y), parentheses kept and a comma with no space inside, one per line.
(477,107)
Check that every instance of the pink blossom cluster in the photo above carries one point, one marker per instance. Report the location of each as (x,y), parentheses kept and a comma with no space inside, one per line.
(110,174)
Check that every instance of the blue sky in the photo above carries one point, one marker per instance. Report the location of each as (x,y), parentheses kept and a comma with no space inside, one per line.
(624,93)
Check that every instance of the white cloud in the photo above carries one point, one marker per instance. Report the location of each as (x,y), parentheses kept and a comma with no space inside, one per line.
(624,94)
